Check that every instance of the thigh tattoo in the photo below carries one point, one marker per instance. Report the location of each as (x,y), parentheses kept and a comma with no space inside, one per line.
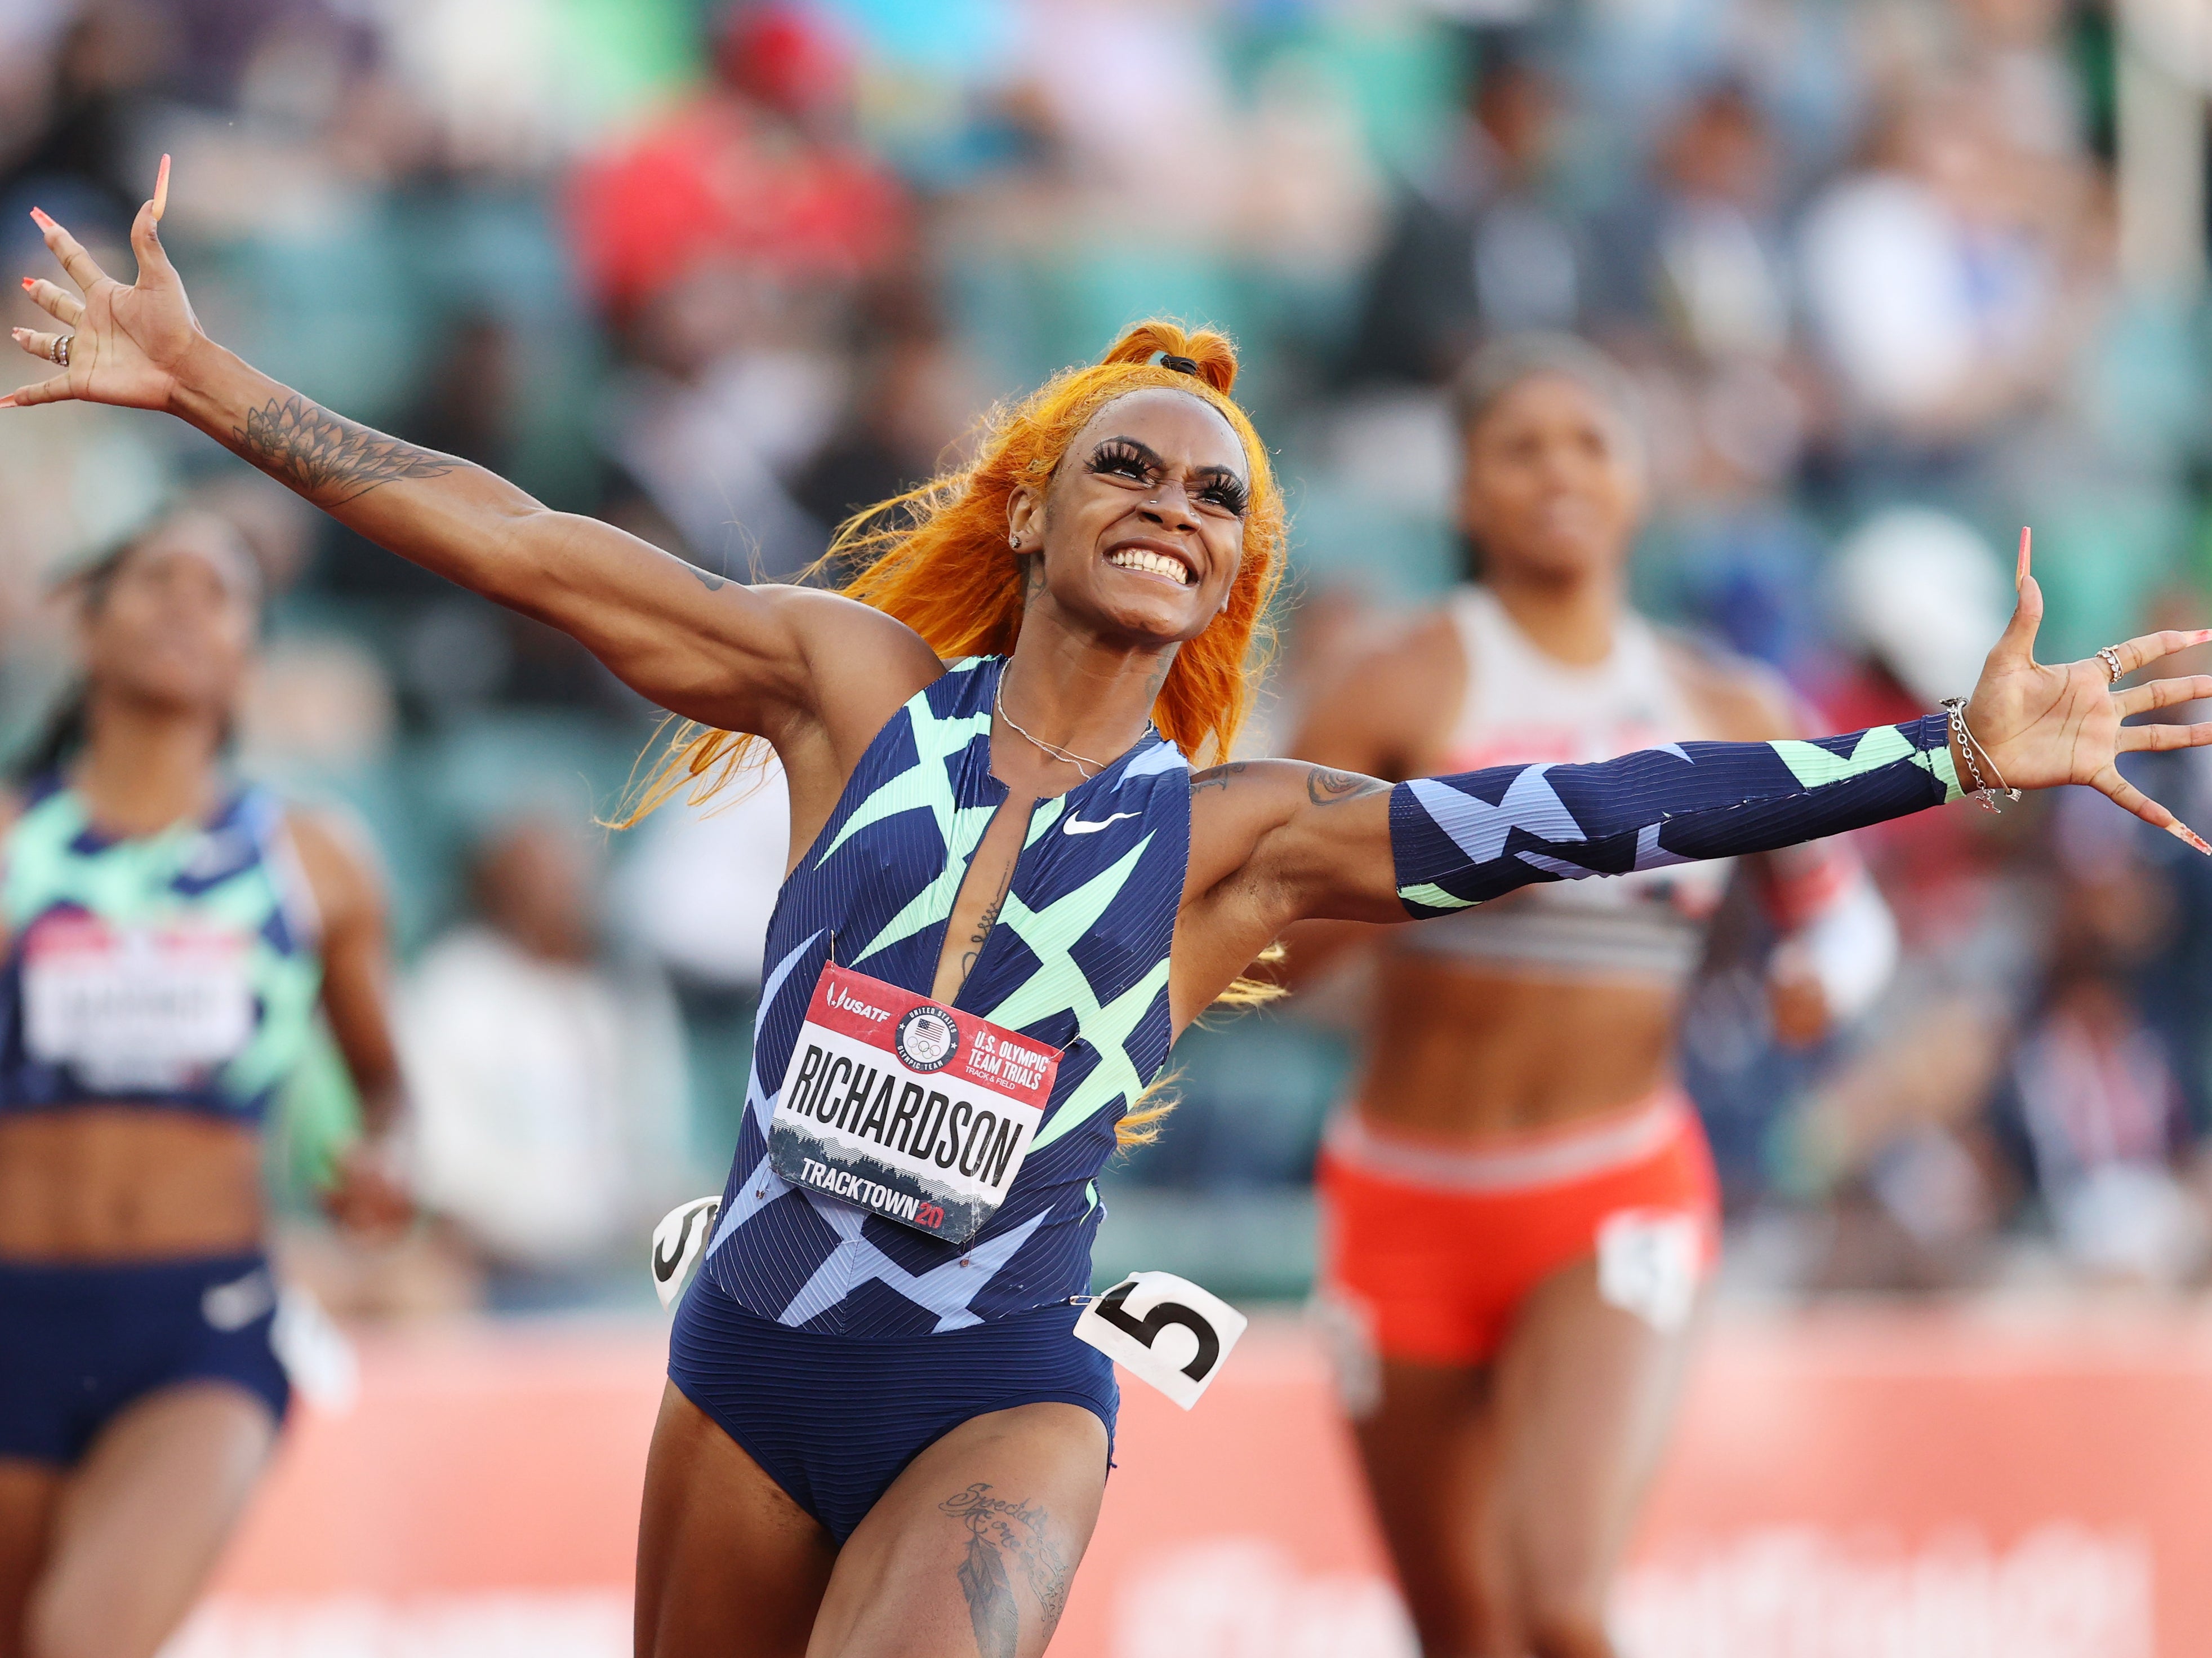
(996,1530)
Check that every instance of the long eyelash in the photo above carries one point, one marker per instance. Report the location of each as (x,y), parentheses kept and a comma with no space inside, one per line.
(1229,494)
(1114,456)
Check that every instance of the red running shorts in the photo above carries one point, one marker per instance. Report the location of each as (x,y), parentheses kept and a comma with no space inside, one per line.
(1429,1249)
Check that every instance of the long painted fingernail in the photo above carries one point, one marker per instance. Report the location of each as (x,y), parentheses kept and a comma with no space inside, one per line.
(41,219)
(2183,832)
(2019,569)
(29,283)
(7,403)
(162,191)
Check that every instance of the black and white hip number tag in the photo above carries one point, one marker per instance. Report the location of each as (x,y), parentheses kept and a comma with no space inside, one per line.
(678,1241)
(1165,1331)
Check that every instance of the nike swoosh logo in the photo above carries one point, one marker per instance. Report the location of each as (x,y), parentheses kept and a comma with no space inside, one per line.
(1077,826)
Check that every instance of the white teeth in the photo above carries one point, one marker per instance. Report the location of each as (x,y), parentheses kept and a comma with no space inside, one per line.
(1136,558)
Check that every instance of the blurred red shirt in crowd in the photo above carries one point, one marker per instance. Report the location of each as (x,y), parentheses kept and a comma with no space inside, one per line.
(758,170)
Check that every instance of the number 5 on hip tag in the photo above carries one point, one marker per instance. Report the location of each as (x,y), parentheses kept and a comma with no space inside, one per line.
(1163,1330)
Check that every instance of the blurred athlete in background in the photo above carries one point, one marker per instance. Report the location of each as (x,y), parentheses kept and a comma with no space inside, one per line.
(169,934)
(878,1440)
(1519,1207)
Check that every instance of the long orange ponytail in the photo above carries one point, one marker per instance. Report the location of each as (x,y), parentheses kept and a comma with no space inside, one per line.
(936,557)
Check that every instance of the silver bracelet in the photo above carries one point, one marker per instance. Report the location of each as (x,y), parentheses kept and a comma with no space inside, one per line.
(1955,707)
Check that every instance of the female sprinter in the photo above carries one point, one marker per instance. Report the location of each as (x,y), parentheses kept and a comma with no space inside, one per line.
(169,934)
(878,1441)
(1520,1205)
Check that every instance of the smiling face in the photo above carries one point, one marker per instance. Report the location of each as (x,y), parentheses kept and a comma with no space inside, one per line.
(1142,530)
(174,624)
(1553,488)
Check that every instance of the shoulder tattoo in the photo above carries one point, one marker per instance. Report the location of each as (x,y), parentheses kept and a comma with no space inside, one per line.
(1325,788)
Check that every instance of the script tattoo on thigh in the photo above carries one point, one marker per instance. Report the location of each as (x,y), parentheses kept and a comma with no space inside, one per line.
(999,1530)
(326,457)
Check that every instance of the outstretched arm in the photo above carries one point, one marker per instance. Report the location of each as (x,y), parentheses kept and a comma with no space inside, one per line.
(719,652)
(1457,840)
(1276,842)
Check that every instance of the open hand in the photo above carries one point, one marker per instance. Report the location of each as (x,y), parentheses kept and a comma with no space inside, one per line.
(368,1195)
(126,345)
(2044,726)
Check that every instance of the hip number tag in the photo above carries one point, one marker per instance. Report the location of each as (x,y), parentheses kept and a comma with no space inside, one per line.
(1163,1330)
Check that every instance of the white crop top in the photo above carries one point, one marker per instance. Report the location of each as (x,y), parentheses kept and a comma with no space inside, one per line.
(1522,706)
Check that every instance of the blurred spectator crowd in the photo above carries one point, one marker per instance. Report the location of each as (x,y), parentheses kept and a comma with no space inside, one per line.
(1893,277)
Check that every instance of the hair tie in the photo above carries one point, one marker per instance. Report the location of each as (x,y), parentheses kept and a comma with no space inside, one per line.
(1179,365)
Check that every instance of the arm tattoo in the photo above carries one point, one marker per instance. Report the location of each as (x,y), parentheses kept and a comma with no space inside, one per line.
(707,578)
(1325,787)
(327,459)
(996,1529)
(1217,777)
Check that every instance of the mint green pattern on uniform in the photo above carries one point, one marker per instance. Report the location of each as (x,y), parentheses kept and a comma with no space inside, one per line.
(1816,767)
(53,861)
(1076,960)
(1057,983)
(925,784)
(1049,934)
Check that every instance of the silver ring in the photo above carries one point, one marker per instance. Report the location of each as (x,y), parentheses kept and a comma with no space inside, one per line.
(61,351)
(2112,663)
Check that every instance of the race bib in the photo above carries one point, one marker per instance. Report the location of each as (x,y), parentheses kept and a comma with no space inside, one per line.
(1165,1331)
(135,1007)
(907,1109)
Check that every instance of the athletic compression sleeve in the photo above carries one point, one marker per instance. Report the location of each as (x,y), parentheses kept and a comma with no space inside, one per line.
(1457,840)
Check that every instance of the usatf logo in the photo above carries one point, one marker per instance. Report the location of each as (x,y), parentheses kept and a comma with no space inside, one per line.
(841,998)
(927,1038)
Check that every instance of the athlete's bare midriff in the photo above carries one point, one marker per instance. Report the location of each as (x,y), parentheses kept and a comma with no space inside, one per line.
(1464,1050)
(98,1183)
(1462,1054)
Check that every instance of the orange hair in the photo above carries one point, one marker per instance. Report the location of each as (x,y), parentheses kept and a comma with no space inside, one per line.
(937,558)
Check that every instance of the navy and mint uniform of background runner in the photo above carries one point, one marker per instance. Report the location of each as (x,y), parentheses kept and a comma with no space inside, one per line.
(81,1343)
(835,1346)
